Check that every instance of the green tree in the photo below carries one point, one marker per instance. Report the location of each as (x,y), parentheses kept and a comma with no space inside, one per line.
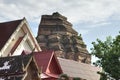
(108,53)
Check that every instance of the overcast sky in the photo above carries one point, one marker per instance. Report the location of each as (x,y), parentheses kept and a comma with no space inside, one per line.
(91,18)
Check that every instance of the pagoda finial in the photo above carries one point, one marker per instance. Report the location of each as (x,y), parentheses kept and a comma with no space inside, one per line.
(56,14)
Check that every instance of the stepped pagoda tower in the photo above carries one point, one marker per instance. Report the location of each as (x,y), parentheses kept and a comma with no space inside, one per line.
(56,33)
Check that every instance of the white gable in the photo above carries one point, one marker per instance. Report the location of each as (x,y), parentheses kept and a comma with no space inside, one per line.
(21,39)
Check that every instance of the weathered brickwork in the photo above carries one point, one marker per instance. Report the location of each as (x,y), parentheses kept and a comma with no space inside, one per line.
(56,33)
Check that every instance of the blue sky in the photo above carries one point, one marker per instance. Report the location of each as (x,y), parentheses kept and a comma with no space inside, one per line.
(91,18)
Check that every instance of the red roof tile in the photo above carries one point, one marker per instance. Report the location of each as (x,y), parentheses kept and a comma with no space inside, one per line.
(42,59)
(47,61)
(6,30)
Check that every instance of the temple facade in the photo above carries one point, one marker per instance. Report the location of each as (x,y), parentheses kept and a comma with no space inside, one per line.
(16,36)
(56,33)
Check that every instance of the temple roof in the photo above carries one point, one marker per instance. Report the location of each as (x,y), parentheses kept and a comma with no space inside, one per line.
(81,70)
(47,63)
(6,30)
(12,78)
(14,65)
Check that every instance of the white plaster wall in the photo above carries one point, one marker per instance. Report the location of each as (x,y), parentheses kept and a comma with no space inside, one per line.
(18,34)
(24,46)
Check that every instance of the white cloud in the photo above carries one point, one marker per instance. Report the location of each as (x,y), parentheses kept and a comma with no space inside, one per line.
(93,10)
(89,16)
(76,11)
(94,13)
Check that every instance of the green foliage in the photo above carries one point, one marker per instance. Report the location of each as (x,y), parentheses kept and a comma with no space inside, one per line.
(63,77)
(76,78)
(79,37)
(108,53)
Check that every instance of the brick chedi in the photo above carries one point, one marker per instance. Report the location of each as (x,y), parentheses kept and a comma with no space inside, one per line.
(56,33)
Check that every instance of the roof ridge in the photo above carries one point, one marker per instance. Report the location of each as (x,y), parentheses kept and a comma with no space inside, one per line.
(11,21)
(77,62)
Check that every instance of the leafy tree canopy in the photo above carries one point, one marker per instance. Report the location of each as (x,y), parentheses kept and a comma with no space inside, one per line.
(108,52)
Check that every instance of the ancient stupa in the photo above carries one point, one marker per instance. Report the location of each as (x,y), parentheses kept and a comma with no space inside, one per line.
(56,33)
